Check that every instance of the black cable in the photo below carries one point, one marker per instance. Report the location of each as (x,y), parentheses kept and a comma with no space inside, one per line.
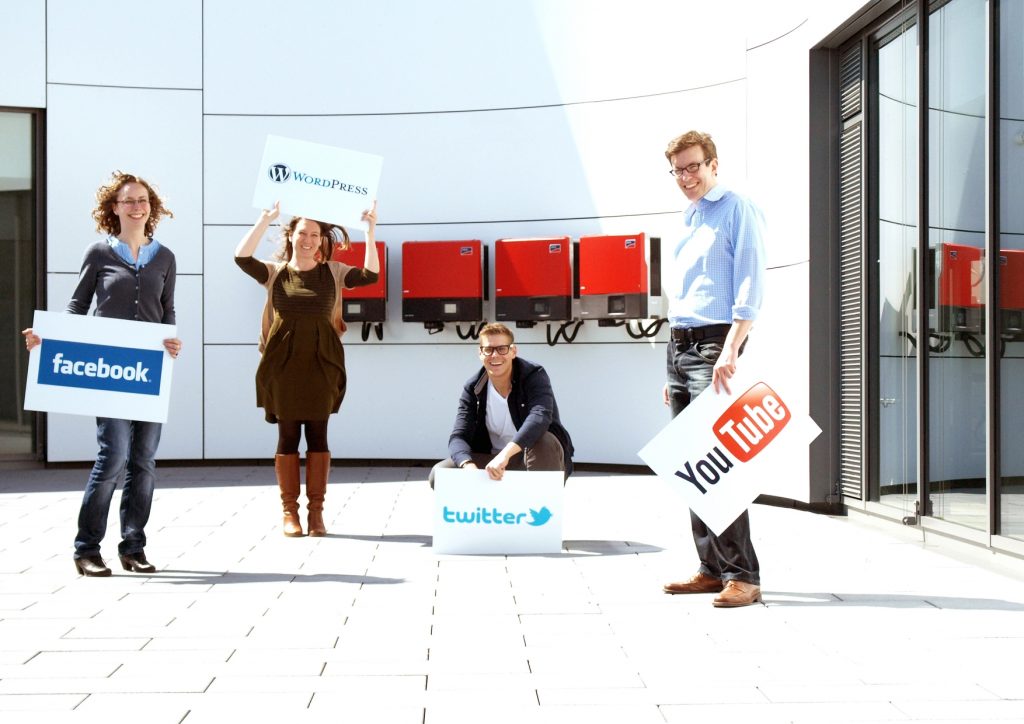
(570,337)
(974,345)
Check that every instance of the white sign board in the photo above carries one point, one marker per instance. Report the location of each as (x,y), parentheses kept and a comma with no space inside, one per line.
(319,182)
(521,513)
(722,448)
(100,367)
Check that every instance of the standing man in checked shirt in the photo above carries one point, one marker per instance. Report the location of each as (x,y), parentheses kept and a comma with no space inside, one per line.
(715,289)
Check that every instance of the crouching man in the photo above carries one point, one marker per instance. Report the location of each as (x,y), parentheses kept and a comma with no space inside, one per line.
(508,417)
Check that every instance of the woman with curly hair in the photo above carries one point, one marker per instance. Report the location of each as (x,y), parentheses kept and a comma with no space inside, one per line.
(301,378)
(131,276)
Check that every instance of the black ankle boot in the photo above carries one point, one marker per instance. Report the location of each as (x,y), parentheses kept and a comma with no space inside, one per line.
(91,566)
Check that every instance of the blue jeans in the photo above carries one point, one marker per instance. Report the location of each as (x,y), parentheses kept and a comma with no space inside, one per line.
(729,556)
(127,447)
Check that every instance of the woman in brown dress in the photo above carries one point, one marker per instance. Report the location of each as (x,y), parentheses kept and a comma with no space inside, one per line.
(301,379)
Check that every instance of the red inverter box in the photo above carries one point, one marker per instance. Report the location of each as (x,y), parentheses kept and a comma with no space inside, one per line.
(1011,292)
(961,288)
(613,276)
(532,279)
(369,303)
(443,281)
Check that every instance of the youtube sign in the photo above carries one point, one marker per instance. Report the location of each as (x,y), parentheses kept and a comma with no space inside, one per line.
(751,422)
(726,448)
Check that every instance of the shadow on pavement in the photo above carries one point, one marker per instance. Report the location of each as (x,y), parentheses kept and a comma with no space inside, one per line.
(886,600)
(209,578)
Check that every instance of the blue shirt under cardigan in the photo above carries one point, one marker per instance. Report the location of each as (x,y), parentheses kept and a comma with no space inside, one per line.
(717,274)
(146,252)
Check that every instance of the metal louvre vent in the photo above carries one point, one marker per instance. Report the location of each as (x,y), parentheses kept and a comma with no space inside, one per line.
(850,81)
(851,324)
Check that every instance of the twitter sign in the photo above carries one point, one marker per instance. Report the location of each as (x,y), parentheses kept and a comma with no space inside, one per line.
(522,513)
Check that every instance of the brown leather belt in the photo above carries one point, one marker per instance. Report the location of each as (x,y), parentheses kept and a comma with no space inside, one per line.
(692,335)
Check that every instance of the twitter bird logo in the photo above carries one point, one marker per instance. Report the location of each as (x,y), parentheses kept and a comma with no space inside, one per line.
(539,517)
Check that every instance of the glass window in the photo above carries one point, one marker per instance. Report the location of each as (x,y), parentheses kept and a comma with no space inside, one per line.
(957,427)
(1011,265)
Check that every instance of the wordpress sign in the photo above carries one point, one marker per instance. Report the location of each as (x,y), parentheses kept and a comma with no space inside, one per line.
(320,182)
(723,449)
(521,513)
(99,367)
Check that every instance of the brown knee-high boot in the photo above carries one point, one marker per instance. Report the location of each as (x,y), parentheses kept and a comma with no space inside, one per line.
(318,467)
(287,469)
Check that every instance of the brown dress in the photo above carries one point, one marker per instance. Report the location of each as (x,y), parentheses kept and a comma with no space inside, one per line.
(302,373)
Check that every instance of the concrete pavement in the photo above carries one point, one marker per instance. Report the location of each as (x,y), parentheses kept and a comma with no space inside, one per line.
(862,621)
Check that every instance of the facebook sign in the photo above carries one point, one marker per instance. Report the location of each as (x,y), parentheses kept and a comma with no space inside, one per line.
(100,367)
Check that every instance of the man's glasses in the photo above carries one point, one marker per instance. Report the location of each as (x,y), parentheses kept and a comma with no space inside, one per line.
(132,203)
(690,169)
(501,349)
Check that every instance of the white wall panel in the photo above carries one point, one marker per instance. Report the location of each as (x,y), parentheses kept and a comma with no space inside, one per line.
(182,435)
(775,158)
(409,56)
(233,427)
(160,140)
(767,23)
(514,165)
(73,437)
(234,300)
(23,54)
(107,42)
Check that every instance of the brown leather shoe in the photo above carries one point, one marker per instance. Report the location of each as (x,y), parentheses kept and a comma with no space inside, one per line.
(736,594)
(700,583)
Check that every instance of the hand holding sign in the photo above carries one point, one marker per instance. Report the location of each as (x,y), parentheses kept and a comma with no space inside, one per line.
(32,339)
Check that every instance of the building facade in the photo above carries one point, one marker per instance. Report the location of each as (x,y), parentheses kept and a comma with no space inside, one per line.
(919,238)
(895,236)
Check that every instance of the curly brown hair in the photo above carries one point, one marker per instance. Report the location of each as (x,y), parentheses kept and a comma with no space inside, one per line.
(107,221)
(330,234)
(692,138)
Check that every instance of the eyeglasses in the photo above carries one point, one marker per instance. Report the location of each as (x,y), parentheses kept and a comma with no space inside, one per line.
(501,349)
(132,203)
(690,169)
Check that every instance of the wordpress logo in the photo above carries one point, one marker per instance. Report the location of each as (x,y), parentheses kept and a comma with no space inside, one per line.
(493,516)
(100,367)
(279,173)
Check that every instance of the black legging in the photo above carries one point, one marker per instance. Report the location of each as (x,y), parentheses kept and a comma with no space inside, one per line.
(289,432)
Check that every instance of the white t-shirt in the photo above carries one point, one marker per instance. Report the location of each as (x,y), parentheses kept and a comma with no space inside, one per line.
(499,422)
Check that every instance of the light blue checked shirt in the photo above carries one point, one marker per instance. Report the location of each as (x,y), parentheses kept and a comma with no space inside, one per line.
(146,251)
(717,269)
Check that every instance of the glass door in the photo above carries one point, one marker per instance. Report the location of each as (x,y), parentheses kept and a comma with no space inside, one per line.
(1011,266)
(957,176)
(896,160)
(18,282)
